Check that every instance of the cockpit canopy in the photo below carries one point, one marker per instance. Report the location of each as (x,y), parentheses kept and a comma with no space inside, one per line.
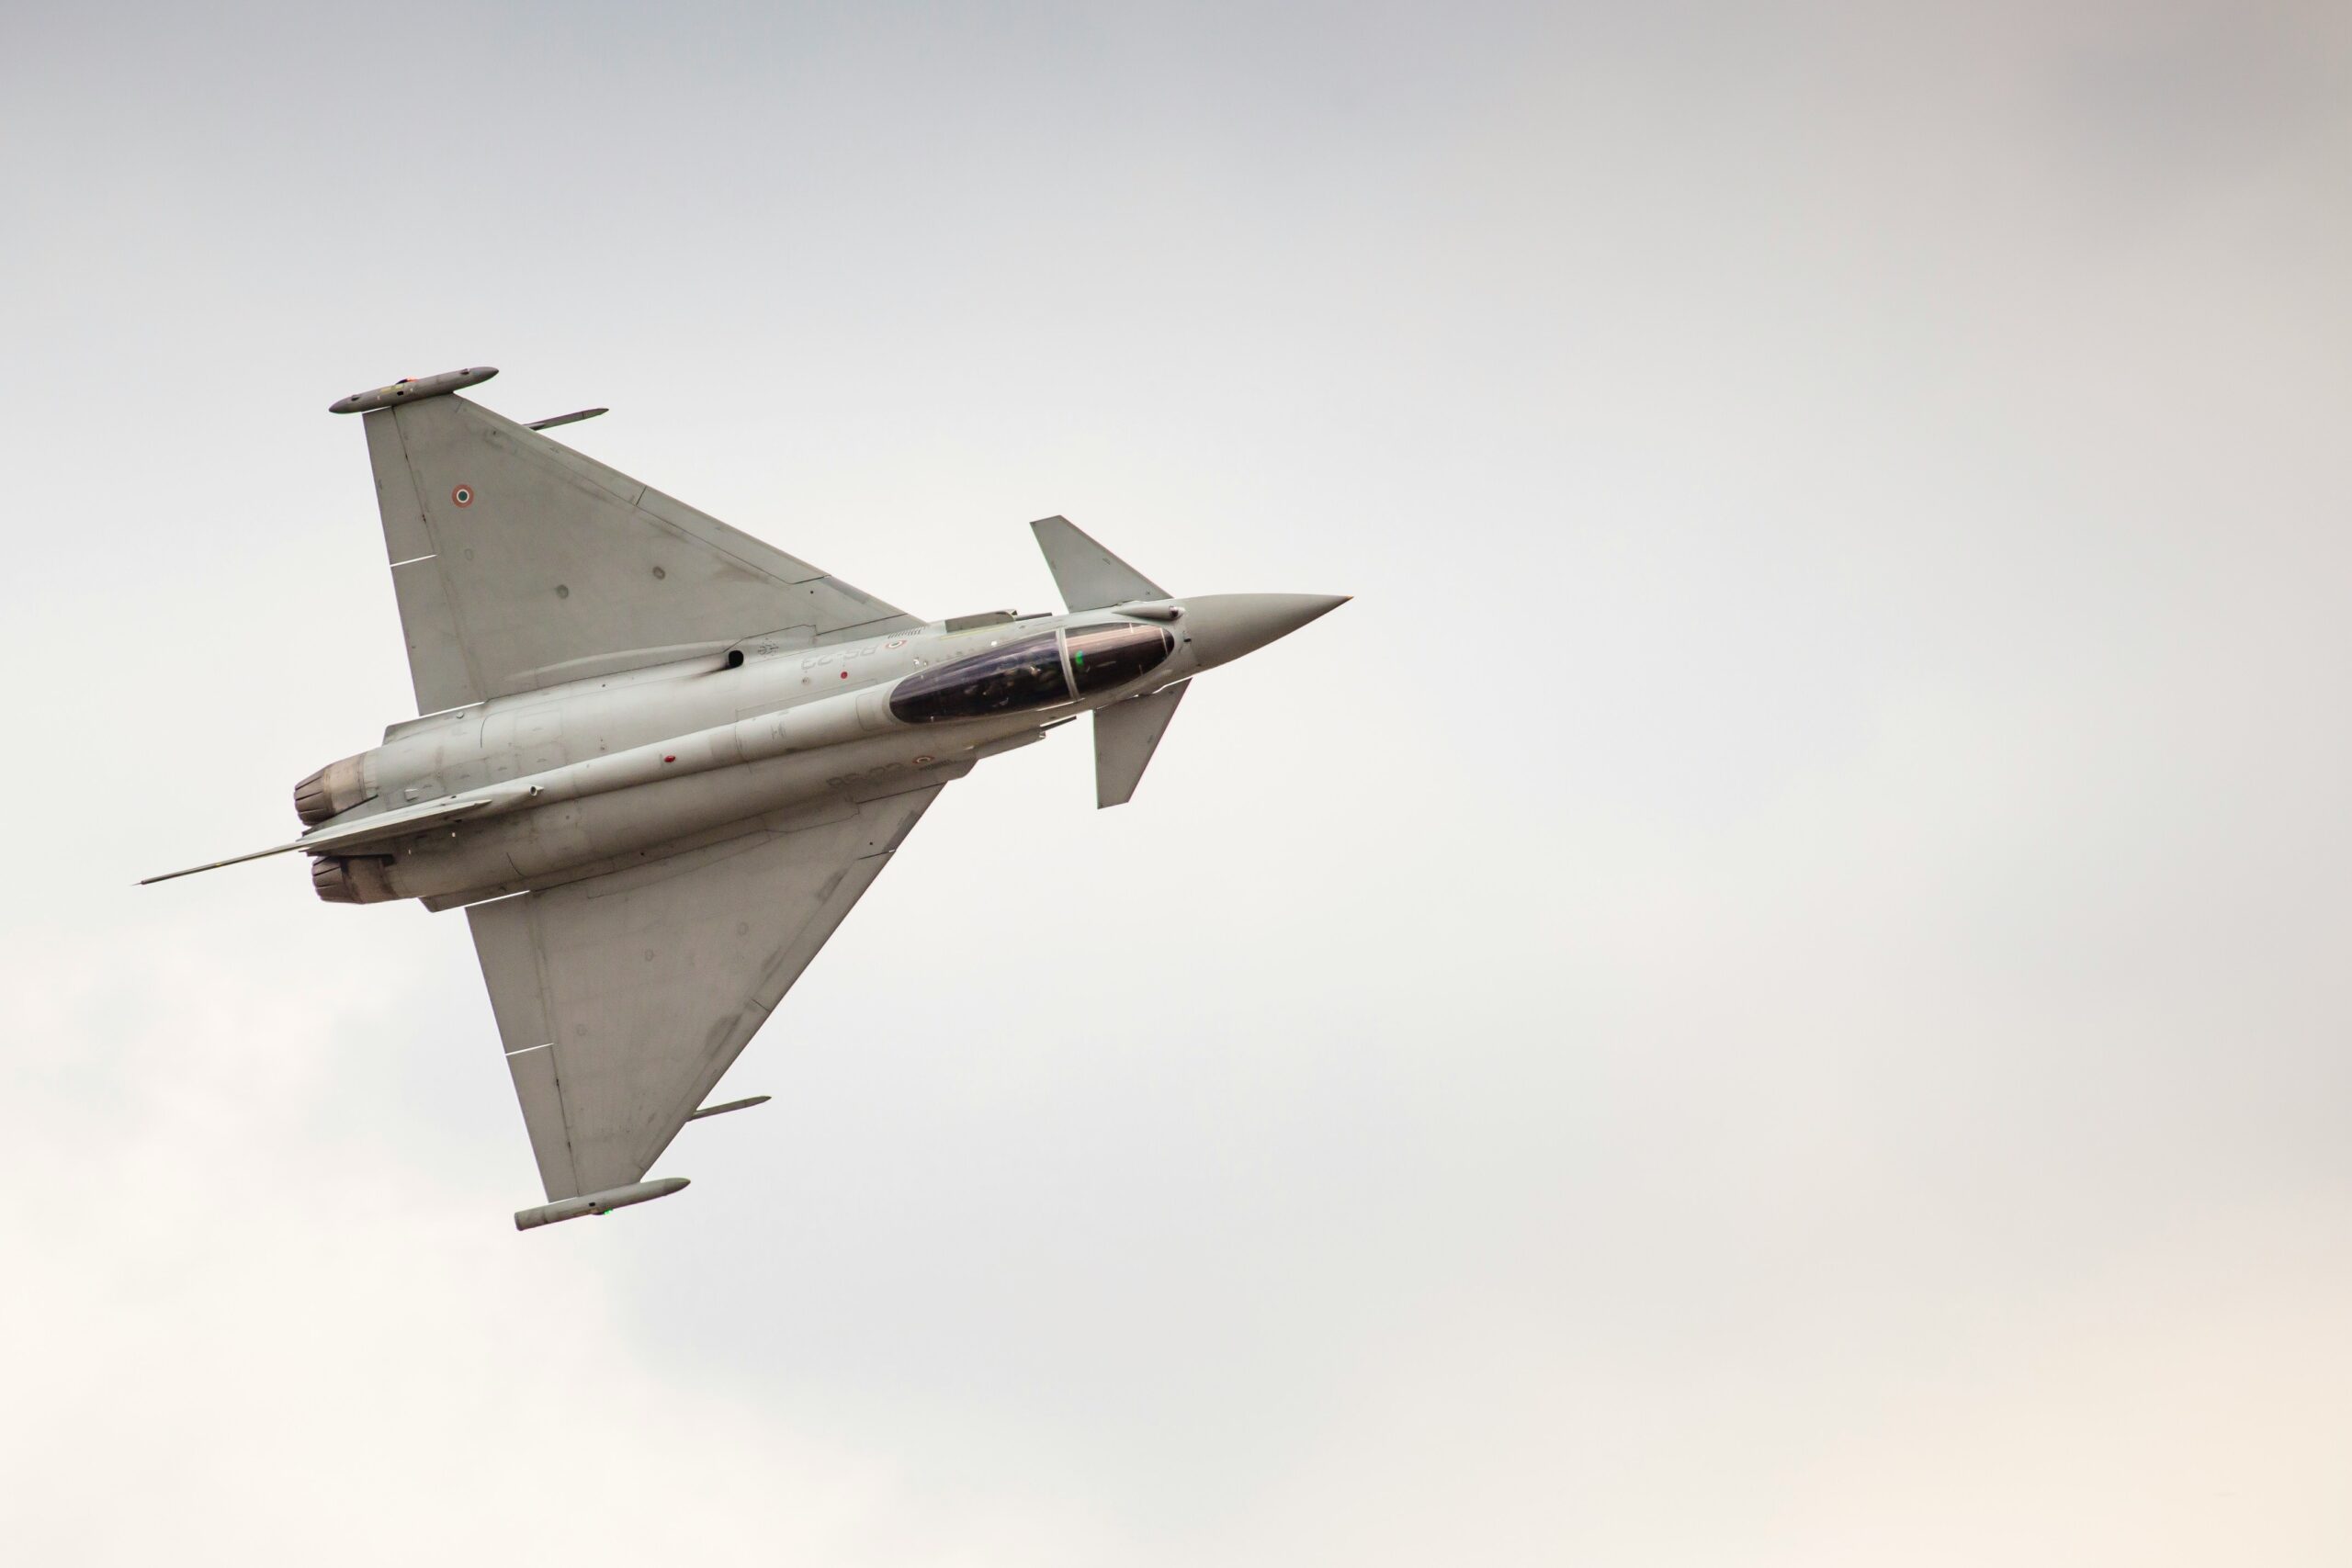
(1034,671)
(1106,656)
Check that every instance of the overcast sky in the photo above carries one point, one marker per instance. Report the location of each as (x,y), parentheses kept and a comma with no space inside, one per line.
(1772,992)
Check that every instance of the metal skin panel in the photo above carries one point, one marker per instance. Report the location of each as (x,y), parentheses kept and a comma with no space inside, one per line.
(650,982)
(548,561)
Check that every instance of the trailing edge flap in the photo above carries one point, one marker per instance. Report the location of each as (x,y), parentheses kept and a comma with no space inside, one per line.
(517,562)
(1125,734)
(1090,577)
(622,999)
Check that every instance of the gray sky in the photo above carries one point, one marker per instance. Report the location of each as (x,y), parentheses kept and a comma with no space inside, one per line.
(1771,993)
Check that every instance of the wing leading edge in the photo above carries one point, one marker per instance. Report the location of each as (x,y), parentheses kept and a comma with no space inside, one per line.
(621,1000)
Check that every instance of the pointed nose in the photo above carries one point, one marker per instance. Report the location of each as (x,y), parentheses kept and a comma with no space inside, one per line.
(1224,626)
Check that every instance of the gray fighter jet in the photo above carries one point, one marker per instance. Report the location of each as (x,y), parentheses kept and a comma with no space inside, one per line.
(659,760)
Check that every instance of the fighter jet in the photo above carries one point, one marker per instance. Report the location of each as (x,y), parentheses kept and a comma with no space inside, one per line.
(658,761)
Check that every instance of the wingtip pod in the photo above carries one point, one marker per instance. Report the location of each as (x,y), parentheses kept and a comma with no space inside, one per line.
(410,389)
(603,1202)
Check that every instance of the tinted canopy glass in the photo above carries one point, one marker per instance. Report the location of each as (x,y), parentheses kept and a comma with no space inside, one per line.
(1107,656)
(1024,674)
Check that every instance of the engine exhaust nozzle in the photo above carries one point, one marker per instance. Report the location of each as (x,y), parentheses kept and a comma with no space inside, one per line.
(336,789)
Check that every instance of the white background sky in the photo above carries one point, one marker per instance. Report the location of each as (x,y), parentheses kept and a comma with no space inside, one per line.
(1772,992)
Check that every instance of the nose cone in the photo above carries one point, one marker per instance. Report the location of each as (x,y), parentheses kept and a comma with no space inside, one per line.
(1224,626)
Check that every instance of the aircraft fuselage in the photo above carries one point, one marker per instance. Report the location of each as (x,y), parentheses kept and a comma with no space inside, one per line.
(585,777)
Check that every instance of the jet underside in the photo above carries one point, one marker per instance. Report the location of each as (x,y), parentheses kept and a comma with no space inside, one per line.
(660,760)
